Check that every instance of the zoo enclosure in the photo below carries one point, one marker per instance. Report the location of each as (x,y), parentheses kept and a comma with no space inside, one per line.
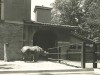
(85,52)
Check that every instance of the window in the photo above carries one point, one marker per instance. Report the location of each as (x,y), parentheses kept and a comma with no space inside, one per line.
(74,46)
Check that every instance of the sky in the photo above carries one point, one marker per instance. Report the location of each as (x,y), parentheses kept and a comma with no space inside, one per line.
(45,3)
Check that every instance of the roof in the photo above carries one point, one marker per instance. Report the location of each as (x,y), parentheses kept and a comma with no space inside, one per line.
(33,23)
(41,7)
(82,37)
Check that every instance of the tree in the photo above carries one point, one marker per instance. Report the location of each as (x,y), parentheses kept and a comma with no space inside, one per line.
(92,16)
(67,12)
(82,13)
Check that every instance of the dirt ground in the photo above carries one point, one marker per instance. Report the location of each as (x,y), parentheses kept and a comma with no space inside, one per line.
(40,65)
(30,68)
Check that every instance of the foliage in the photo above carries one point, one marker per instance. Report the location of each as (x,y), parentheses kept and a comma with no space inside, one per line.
(82,13)
(67,12)
(92,16)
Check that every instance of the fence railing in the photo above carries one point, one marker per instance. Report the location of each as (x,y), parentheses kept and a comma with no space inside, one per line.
(85,53)
(70,51)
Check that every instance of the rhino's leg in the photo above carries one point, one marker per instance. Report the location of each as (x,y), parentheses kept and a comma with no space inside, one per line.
(36,56)
(25,57)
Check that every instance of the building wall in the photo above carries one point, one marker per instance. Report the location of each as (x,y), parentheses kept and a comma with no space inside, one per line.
(12,34)
(13,12)
(65,40)
(74,56)
(17,10)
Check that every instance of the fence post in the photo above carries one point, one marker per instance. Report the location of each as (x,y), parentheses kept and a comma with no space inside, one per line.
(59,50)
(94,55)
(83,55)
(5,52)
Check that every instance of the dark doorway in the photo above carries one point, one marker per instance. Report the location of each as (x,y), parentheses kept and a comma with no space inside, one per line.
(46,39)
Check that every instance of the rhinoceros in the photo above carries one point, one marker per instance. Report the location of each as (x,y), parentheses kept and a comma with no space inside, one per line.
(32,51)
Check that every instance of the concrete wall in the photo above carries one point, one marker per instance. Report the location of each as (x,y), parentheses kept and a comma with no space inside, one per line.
(17,10)
(12,34)
(29,31)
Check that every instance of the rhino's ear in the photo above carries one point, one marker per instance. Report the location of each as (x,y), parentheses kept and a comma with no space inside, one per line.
(45,52)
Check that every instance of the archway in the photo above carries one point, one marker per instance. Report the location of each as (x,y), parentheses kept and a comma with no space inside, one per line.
(45,39)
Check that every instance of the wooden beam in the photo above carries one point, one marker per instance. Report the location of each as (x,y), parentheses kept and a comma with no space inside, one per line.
(5,52)
(94,55)
(83,55)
